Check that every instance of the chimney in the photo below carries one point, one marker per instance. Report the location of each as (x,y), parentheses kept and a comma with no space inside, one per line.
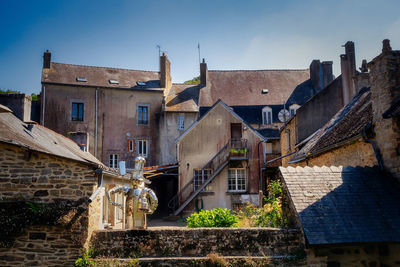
(203,73)
(46,59)
(165,72)
(327,75)
(386,46)
(364,67)
(348,68)
(315,73)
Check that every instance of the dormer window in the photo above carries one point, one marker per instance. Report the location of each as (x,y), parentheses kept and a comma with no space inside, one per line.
(292,109)
(113,81)
(267,116)
(81,79)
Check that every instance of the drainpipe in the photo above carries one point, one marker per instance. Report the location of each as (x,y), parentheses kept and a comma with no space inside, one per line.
(99,173)
(374,147)
(43,102)
(95,139)
(259,163)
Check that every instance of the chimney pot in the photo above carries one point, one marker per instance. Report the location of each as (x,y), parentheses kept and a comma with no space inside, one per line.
(386,46)
(163,54)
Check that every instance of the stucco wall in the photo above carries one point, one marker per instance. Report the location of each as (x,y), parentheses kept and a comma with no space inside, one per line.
(169,132)
(290,128)
(204,140)
(116,119)
(319,109)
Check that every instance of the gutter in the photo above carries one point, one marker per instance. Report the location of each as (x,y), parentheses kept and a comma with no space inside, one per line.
(157,90)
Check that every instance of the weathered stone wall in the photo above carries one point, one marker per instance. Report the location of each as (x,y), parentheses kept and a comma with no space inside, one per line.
(288,133)
(197,242)
(38,177)
(356,255)
(385,86)
(42,177)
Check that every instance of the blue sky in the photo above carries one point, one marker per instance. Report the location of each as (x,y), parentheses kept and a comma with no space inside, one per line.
(232,34)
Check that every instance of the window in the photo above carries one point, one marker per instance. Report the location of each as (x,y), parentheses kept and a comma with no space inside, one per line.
(131,145)
(143,115)
(113,81)
(292,109)
(267,116)
(113,161)
(77,112)
(236,180)
(181,122)
(81,79)
(142,150)
(200,176)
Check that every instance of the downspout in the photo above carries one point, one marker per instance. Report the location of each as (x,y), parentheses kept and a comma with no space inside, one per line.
(95,139)
(260,183)
(43,102)
(374,147)
(99,173)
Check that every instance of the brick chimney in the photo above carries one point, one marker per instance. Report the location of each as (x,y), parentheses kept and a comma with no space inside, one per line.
(348,68)
(46,59)
(315,73)
(165,72)
(203,73)
(327,75)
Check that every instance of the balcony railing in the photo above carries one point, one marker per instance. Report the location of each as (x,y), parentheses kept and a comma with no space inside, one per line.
(238,149)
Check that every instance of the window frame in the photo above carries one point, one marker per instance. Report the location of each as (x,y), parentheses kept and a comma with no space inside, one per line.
(236,184)
(204,176)
(113,161)
(181,122)
(131,145)
(78,103)
(140,147)
(140,120)
(267,118)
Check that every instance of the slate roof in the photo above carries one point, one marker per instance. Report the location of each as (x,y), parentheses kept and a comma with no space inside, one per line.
(270,133)
(338,205)
(39,138)
(347,123)
(251,114)
(302,93)
(60,73)
(183,98)
(243,87)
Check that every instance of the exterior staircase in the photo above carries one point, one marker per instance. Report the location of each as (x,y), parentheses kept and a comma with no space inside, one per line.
(233,150)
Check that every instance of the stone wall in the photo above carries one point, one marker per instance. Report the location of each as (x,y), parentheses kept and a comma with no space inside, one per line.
(355,255)
(41,178)
(181,242)
(385,86)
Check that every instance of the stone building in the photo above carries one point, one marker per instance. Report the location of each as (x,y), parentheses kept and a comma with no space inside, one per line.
(349,214)
(52,195)
(20,104)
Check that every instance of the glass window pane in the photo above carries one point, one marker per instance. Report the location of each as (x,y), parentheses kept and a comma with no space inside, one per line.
(74,111)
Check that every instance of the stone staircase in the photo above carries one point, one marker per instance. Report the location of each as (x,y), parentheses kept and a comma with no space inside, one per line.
(198,247)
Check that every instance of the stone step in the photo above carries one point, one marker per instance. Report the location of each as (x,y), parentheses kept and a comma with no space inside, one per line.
(210,260)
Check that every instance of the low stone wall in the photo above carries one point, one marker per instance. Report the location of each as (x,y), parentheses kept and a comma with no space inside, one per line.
(42,246)
(196,242)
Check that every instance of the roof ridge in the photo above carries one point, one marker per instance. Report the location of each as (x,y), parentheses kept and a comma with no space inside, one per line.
(100,67)
(259,70)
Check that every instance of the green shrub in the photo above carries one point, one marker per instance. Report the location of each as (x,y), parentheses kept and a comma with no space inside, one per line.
(212,218)
(84,260)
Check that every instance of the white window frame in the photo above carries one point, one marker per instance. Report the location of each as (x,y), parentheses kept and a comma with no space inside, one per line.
(267,116)
(143,144)
(200,176)
(113,161)
(237,188)
(292,109)
(181,121)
